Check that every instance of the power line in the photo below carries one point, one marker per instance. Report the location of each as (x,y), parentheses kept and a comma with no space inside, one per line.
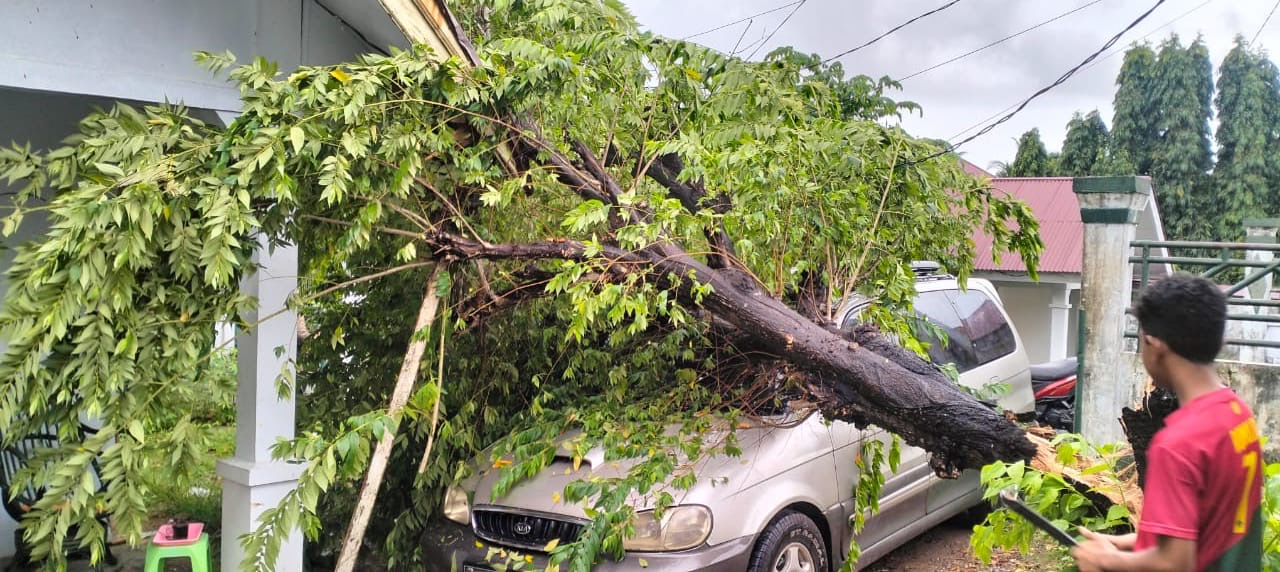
(775,30)
(748,18)
(1061,79)
(998,42)
(1109,55)
(1264,22)
(1148,34)
(892,30)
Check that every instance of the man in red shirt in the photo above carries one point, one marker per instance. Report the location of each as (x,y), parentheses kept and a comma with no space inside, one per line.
(1204,468)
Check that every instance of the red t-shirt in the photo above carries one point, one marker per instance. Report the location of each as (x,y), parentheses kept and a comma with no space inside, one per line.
(1204,483)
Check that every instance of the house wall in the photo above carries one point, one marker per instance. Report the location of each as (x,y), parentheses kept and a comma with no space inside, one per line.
(1258,385)
(60,59)
(142,49)
(1028,307)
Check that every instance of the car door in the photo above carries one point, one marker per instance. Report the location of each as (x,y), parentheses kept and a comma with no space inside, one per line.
(902,498)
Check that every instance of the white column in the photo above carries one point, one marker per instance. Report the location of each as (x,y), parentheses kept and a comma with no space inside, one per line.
(1256,231)
(1059,321)
(252,481)
(1109,207)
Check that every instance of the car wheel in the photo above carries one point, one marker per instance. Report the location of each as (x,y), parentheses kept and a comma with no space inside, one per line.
(791,543)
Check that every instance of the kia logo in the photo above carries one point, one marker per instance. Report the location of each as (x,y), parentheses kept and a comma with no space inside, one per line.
(523,528)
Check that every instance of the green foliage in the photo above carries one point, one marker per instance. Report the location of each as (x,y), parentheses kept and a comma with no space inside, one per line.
(1085,147)
(1134,126)
(858,97)
(154,216)
(1183,156)
(1049,494)
(1032,160)
(1248,102)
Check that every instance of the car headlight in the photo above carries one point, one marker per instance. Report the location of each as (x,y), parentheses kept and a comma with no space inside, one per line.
(456,505)
(680,528)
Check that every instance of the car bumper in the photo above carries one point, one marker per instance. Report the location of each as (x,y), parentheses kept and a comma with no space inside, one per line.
(448,544)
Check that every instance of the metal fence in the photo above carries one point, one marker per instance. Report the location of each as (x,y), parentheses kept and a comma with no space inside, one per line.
(1217,259)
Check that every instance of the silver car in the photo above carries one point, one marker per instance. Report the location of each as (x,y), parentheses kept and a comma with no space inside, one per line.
(787,503)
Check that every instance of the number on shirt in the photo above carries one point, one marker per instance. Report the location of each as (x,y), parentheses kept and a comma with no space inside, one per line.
(1250,462)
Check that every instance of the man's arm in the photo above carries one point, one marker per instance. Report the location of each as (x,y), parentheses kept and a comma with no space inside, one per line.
(1169,554)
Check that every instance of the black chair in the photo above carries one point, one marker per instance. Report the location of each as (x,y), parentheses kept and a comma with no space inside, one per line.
(21,501)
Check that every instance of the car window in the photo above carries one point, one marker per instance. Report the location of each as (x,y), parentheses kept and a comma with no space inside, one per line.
(990,333)
(955,347)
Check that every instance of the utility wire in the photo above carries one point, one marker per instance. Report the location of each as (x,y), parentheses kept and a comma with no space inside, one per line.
(1109,55)
(748,18)
(775,30)
(1061,79)
(1264,22)
(998,42)
(892,30)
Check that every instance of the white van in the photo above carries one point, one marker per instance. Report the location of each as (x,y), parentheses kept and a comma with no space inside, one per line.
(786,504)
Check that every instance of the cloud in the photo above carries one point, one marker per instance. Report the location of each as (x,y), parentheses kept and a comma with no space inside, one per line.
(961,94)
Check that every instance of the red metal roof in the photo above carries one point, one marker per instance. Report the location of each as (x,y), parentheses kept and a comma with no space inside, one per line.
(1055,206)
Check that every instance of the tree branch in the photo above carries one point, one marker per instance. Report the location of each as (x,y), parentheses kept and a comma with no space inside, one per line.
(665,170)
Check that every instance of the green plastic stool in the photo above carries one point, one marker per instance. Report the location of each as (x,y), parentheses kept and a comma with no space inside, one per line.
(197,552)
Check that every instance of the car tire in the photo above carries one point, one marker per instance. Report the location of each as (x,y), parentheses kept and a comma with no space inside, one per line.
(791,543)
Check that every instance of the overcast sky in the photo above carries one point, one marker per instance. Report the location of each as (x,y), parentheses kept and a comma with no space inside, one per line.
(970,91)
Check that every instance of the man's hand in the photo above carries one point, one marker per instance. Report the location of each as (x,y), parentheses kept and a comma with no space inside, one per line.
(1099,552)
(1097,549)
(1122,542)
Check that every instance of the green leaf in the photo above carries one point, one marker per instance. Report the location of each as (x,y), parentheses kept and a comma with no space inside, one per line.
(297,138)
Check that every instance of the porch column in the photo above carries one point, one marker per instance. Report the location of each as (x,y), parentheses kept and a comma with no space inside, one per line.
(252,481)
(1109,208)
(1059,321)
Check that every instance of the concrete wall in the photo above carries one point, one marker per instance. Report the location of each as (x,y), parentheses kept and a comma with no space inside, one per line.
(1257,384)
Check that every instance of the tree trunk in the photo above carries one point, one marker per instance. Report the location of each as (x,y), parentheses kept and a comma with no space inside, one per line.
(868,379)
(382,453)
(863,379)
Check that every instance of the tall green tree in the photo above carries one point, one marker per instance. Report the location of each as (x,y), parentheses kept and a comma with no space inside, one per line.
(687,222)
(1085,147)
(1031,160)
(1248,103)
(1134,126)
(1183,154)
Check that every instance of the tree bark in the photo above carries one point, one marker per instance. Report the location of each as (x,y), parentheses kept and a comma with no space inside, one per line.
(382,453)
(862,379)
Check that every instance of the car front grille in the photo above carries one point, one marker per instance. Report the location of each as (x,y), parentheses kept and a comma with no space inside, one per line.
(523,530)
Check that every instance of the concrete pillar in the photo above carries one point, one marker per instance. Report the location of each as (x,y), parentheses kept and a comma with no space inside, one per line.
(252,481)
(1258,231)
(1059,321)
(1109,207)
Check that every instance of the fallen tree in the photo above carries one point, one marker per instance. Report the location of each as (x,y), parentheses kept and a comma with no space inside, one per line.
(674,209)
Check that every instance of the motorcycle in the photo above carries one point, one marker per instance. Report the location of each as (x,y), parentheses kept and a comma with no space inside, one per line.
(1054,385)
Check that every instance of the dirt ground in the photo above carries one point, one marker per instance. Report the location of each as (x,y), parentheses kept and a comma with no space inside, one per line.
(946,549)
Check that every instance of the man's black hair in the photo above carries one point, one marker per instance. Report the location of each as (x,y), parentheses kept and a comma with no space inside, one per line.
(1187,312)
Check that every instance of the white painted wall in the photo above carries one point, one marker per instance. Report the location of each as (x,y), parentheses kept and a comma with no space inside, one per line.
(1028,307)
(142,49)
